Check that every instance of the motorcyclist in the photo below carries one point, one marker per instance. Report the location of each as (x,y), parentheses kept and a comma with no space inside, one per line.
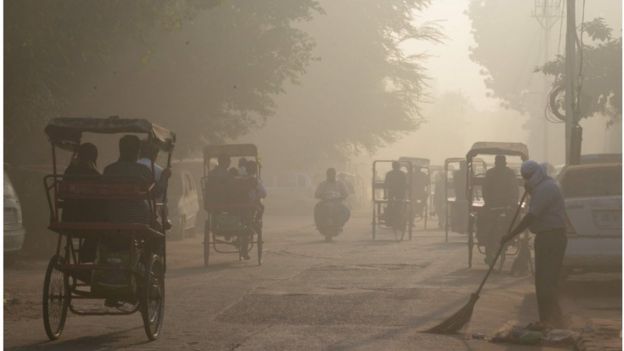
(331,192)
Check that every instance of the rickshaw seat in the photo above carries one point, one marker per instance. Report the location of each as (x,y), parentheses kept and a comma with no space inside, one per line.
(86,229)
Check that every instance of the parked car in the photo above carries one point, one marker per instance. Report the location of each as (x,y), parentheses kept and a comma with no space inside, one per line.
(601,158)
(183,204)
(593,201)
(14,232)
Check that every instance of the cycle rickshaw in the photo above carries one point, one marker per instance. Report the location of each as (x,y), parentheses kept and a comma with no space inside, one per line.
(84,262)
(234,220)
(421,173)
(392,213)
(456,204)
(487,225)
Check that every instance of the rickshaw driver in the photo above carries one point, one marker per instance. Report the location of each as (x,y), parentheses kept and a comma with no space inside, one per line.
(223,163)
(395,187)
(500,188)
(500,193)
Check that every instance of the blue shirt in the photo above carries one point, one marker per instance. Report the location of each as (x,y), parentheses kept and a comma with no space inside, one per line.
(547,206)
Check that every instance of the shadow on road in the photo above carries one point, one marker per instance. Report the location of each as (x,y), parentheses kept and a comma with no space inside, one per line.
(213,267)
(108,341)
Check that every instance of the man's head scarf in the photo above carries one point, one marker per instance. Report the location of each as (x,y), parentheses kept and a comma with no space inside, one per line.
(533,173)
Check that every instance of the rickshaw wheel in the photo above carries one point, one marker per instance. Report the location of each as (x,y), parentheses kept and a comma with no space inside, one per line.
(470,248)
(56,298)
(153,298)
(206,243)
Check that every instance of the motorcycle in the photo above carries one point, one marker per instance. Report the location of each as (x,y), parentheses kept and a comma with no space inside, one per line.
(330,215)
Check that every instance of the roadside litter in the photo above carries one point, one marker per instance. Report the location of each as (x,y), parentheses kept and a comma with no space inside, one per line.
(513,333)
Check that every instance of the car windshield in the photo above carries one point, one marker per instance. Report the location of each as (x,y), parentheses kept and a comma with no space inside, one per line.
(591,182)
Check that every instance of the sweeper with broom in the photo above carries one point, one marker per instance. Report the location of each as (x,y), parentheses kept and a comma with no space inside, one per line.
(547,219)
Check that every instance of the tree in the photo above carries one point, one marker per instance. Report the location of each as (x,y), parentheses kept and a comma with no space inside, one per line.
(601,80)
(361,93)
(58,52)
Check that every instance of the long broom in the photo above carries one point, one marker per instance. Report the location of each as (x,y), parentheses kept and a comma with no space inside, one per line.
(457,321)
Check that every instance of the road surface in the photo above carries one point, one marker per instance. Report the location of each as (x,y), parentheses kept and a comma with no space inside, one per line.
(351,294)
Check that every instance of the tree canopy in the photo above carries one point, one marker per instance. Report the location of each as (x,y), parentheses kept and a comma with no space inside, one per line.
(59,52)
(601,72)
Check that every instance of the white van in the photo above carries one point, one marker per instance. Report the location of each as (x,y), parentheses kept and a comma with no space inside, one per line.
(593,201)
(14,232)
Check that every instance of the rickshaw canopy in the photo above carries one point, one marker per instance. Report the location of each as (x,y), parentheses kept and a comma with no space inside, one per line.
(416,161)
(498,148)
(232,150)
(453,160)
(66,132)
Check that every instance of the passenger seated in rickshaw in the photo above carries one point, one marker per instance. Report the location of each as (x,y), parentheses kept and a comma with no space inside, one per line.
(84,210)
(129,211)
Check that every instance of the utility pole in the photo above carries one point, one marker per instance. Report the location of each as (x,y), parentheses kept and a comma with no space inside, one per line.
(570,81)
(547,13)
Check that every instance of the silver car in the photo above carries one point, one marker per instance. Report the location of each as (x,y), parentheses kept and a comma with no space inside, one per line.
(14,232)
(593,201)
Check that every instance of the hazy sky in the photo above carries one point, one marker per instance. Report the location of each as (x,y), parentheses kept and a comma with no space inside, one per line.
(449,65)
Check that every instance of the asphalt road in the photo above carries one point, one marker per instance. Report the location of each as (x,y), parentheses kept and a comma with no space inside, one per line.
(351,294)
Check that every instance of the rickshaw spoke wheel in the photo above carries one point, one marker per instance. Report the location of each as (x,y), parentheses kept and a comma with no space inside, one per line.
(56,298)
(260,245)
(153,298)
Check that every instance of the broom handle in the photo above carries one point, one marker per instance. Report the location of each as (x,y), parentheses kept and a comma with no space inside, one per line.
(502,246)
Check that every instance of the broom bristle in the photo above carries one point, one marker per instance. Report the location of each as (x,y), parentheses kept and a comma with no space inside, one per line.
(457,321)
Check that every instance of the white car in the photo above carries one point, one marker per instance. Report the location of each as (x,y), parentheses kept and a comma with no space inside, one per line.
(593,201)
(13,230)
